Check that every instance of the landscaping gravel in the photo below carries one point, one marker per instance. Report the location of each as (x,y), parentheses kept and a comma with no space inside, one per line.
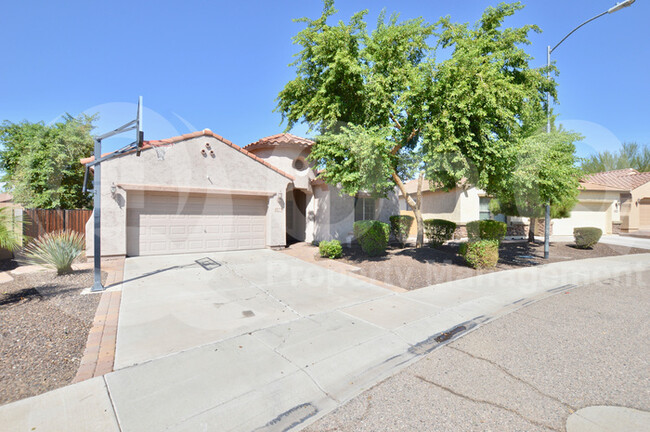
(412,268)
(44,325)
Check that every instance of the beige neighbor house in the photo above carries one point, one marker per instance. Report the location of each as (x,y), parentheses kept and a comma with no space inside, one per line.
(630,197)
(462,204)
(200,192)
(598,206)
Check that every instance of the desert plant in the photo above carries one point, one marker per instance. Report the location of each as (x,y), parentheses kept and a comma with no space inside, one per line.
(586,237)
(9,238)
(400,226)
(330,249)
(372,235)
(486,230)
(438,231)
(481,254)
(57,249)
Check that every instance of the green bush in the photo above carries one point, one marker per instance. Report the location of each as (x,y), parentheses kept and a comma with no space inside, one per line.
(481,254)
(400,226)
(372,235)
(57,249)
(438,231)
(330,249)
(586,237)
(486,230)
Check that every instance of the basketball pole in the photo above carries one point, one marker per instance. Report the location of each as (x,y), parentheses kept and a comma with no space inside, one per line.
(97,186)
(97,213)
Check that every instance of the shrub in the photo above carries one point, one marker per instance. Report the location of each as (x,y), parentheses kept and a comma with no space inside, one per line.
(486,230)
(586,237)
(481,254)
(372,235)
(57,249)
(9,238)
(438,231)
(400,226)
(330,249)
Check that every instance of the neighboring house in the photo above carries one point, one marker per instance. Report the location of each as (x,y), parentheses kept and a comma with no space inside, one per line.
(200,192)
(630,198)
(596,207)
(462,204)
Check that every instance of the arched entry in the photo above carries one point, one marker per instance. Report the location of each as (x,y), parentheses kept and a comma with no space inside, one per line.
(295,215)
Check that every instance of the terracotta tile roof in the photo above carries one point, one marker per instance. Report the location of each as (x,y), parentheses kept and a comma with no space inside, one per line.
(280,139)
(624,179)
(204,132)
(598,187)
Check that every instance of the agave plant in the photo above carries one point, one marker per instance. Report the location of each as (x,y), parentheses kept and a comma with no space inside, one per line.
(57,249)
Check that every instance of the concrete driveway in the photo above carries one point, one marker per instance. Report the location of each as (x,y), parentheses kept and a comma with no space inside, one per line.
(171,304)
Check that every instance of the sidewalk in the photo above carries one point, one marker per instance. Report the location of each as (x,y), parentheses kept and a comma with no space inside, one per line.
(284,377)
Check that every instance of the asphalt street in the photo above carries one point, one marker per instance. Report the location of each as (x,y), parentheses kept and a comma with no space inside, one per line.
(526,371)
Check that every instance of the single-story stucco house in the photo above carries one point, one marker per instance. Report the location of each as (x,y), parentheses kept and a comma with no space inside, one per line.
(462,204)
(631,202)
(200,192)
(599,205)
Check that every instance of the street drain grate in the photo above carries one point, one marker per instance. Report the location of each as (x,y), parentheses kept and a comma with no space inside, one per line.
(207,263)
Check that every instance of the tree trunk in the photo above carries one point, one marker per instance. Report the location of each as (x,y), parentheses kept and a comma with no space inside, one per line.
(414,206)
(531,230)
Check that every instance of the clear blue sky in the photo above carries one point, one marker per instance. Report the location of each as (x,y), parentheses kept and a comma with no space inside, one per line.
(220,65)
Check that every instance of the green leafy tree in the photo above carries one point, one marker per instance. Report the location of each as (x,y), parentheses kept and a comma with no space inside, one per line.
(386,110)
(630,155)
(544,170)
(41,162)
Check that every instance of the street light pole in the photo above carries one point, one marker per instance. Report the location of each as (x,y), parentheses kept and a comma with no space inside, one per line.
(547,217)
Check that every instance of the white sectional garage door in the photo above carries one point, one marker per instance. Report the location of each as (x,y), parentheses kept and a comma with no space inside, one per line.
(163,223)
(585,215)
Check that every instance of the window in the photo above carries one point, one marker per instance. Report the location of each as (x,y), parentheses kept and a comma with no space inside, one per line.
(484,211)
(365,208)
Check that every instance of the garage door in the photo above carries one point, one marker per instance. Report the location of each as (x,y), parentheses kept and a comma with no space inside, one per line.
(160,224)
(644,213)
(584,215)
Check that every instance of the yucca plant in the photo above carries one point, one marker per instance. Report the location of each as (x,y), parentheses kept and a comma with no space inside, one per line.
(57,249)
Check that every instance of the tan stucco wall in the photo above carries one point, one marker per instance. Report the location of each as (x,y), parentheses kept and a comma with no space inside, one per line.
(457,205)
(184,166)
(634,214)
(334,217)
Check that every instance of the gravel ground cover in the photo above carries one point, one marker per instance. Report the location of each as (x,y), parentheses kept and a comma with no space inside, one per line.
(44,325)
(412,268)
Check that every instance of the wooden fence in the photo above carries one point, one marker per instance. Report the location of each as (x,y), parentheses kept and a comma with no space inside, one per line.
(40,221)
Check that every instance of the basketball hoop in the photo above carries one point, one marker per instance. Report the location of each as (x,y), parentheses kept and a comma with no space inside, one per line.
(137,145)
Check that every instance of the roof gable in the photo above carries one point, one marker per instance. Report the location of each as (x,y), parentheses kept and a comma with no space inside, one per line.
(205,132)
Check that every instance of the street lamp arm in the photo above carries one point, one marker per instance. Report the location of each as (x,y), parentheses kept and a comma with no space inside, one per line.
(574,30)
